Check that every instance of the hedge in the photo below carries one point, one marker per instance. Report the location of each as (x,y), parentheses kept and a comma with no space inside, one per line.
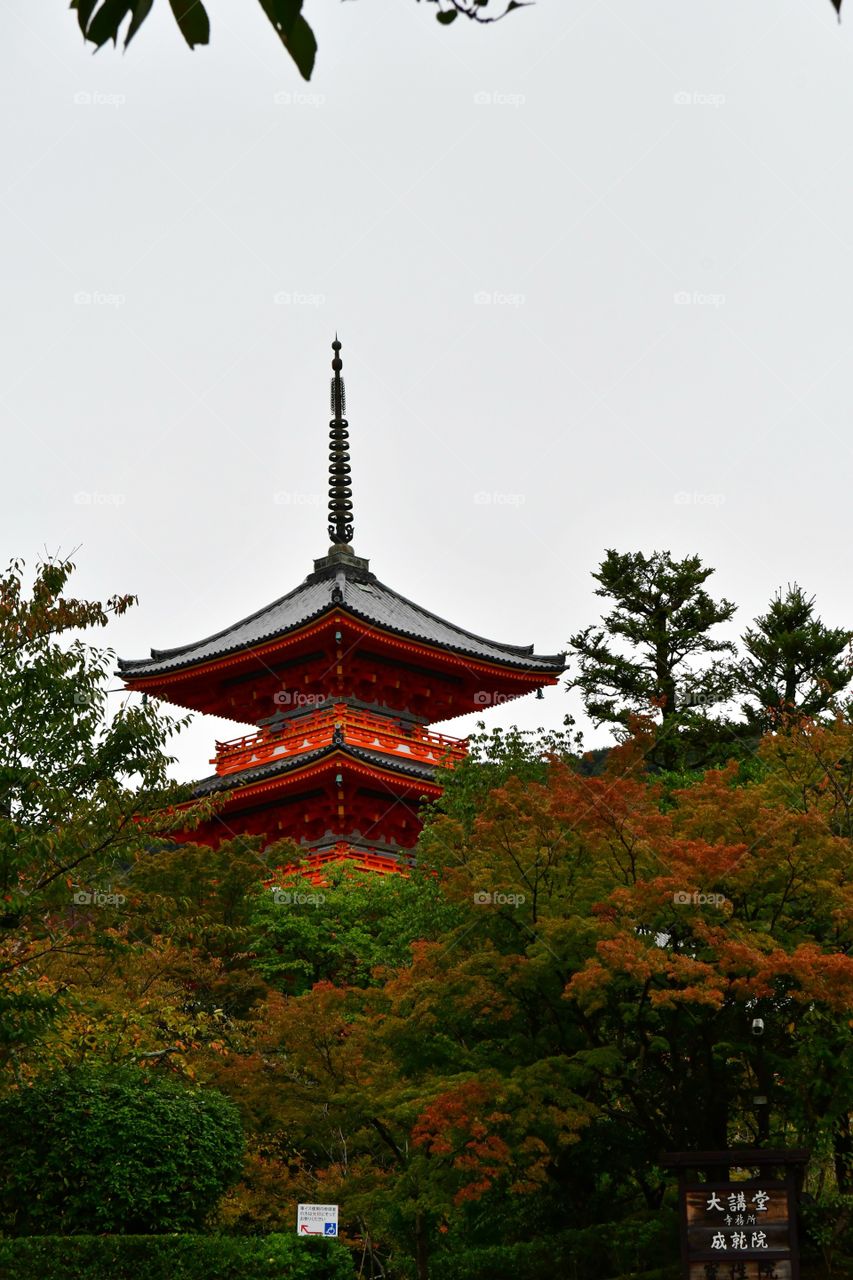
(610,1249)
(176,1257)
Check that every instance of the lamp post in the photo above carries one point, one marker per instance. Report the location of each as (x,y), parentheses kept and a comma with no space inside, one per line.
(761,1099)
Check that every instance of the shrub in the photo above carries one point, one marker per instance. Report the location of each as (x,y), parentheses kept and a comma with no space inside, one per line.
(114,1150)
(827,1227)
(179,1257)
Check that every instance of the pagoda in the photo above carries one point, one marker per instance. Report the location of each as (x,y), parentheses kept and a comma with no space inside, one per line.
(340,679)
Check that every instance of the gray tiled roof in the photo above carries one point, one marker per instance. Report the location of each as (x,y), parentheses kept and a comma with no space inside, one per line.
(360,593)
(233,781)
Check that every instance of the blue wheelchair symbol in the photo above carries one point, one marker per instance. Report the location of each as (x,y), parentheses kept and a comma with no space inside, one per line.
(330,1229)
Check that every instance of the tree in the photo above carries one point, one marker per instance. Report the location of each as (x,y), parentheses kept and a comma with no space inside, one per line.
(663,616)
(496,755)
(117,1151)
(591,1006)
(81,793)
(102,20)
(346,928)
(794,664)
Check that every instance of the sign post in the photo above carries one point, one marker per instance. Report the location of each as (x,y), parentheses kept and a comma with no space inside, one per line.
(317,1220)
(738,1228)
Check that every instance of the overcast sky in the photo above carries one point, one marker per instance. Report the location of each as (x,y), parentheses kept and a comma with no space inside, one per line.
(591,267)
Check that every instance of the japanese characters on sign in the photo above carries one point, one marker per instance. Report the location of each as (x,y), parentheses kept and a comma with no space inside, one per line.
(317,1219)
(732,1219)
(738,1212)
(738,1231)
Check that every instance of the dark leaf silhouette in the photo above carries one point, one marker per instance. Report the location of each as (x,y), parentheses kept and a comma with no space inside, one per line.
(102,20)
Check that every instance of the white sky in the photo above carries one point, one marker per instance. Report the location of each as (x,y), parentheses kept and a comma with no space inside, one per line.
(631,151)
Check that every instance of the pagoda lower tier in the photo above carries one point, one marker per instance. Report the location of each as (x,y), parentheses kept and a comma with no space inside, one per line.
(340,781)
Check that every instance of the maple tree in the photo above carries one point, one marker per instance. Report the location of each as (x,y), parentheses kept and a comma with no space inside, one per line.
(587,1011)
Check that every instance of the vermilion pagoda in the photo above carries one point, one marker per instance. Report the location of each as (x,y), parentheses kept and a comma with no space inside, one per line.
(341,678)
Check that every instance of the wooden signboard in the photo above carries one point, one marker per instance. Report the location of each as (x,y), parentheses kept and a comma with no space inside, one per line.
(738,1227)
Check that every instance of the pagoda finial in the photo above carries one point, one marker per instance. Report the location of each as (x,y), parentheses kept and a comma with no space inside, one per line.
(340,492)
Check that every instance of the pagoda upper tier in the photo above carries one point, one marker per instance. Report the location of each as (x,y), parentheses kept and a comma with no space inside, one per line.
(342,634)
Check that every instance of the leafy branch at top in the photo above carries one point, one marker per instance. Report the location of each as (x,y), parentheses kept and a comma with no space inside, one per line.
(102,20)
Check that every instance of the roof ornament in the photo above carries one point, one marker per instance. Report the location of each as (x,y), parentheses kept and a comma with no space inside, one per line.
(340,492)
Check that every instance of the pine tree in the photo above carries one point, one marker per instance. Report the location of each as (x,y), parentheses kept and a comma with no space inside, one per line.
(646,654)
(795,664)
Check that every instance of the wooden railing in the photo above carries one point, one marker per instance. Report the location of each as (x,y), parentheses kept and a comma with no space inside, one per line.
(358,859)
(357,728)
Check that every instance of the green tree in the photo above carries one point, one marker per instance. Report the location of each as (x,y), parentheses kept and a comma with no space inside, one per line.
(118,1151)
(648,652)
(495,756)
(795,664)
(346,928)
(81,792)
(102,20)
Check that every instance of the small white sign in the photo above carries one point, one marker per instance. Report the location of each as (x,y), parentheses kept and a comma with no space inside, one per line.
(317,1220)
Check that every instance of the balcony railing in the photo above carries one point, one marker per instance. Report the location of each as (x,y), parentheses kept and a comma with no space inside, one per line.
(357,728)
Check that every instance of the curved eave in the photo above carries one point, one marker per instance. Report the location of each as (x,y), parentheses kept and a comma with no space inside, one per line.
(316,606)
(538,667)
(267,776)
